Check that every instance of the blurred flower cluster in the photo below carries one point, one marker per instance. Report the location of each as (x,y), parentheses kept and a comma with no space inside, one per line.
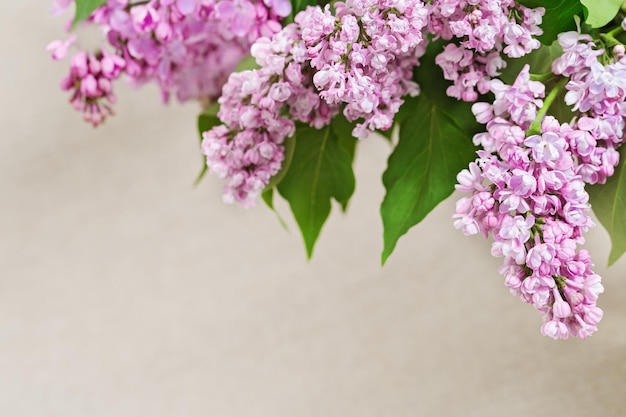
(187,47)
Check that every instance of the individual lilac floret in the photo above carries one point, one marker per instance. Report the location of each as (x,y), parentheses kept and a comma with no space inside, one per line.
(59,49)
(527,195)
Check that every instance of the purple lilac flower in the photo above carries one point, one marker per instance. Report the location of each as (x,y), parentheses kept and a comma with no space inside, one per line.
(258,109)
(59,49)
(59,6)
(364,56)
(527,194)
(598,93)
(361,57)
(91,82)
(187,47)
(486,30)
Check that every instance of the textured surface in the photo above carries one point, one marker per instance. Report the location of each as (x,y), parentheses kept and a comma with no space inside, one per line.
(126,292)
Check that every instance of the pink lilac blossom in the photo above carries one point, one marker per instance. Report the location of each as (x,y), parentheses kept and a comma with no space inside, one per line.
(187,47)
(258,109)
(486,30)
(91,80)
(597,93)
(527,195)
(364,56)
(60,6)
(59,49)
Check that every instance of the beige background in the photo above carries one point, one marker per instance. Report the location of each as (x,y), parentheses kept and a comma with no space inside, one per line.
(124,291)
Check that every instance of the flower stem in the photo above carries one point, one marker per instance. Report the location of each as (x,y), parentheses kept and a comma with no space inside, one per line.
(615,31)
(609,38)
(541,77)
(138,3)
(535,127)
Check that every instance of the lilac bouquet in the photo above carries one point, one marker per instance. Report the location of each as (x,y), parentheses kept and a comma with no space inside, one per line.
(519,105)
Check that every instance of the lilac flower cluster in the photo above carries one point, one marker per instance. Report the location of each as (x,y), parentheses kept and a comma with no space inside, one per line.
(486,29)
(528,196)
(258,109)
(362,58)
(91,82)
(188,47)
(527,185)
(598,93)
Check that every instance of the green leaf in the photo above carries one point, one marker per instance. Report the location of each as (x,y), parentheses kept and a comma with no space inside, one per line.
(387,134)
(202,173)
(406,109)
(421,171)
(320,170)
(342,128)
(559,16)
(609,204)
(434,144)
(247,63)
(206,121)
(299,5)
(268,197)
(84,9)
(600,12)
(560,109)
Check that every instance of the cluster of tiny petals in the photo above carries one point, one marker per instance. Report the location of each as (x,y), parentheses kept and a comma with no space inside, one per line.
(486,30)
(187,47)
(518,102)
(469,72)
(364,55)
(486,25)
(361,57)
(598,93)
(258,109)
(527,195)
(90,80)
